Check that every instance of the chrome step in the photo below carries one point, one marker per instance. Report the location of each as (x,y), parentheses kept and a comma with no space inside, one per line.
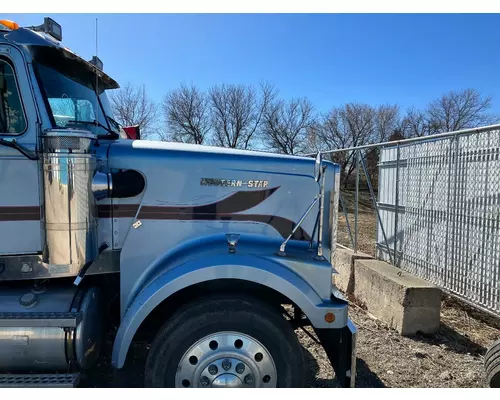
(39,380)
(40,319)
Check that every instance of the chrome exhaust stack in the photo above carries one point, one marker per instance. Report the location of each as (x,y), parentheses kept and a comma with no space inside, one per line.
(69,216)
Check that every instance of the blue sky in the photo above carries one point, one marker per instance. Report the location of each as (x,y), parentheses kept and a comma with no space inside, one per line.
(331,58)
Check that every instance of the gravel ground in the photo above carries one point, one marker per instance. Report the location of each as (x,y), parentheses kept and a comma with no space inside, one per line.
(451,358)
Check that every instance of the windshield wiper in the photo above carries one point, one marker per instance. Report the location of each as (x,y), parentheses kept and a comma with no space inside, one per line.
(113,122)
(113,135)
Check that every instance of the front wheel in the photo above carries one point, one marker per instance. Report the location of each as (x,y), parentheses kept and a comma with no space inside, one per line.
(225,341)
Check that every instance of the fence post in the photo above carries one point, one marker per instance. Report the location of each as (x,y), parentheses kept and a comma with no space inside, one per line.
(448,217)
(453,248)
(356,204)
(396,205)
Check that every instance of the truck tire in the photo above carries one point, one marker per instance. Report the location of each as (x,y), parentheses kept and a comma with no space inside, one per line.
(492,365)
(225,341)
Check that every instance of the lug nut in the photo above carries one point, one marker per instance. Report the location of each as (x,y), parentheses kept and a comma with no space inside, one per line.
(213,369)
(240,368)
(204,381)
(226,364)
(248,379)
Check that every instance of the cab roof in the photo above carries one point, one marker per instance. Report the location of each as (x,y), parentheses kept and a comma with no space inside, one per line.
(35,42)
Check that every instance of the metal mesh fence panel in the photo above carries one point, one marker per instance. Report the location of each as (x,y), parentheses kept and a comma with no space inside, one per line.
(440,202)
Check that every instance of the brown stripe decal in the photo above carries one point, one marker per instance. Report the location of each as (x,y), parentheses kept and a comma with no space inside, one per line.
(117,210)
(237,202)
(23,213)
(222,210)
(282,225)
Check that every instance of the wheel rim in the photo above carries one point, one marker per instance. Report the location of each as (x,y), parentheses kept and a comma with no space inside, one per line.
(226,359)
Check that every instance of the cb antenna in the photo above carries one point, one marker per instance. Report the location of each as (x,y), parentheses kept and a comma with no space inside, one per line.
(96,81)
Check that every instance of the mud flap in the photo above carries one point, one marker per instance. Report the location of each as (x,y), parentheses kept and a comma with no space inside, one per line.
(340,347)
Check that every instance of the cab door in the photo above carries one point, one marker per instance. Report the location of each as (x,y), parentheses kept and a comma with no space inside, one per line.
(20,230)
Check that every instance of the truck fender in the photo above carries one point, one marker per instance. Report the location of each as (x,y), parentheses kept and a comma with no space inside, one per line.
(245,267)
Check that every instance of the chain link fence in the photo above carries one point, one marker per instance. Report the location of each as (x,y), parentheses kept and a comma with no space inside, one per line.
(434,209)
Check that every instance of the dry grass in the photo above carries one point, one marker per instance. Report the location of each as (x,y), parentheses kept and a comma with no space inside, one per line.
(474,325)
(451,358)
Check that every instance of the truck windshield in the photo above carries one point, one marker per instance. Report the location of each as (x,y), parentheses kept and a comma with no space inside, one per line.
(74,103)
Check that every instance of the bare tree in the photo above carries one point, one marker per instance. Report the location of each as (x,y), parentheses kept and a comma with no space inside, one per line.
(457,110)
(237,112)
(350,125)
(287,124)
(387,121)
(132,106)
(387,127)
(187,115)
(453,111)
(330,132)
(415,124)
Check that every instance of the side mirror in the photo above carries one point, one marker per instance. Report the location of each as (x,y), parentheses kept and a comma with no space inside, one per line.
(317,167)
(133,132)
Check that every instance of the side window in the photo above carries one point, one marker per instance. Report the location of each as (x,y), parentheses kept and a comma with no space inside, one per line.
(12,119)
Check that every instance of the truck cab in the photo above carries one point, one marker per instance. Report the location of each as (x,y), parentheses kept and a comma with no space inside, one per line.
(216,254)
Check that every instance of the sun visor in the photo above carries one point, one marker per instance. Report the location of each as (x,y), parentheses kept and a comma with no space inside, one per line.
(70,64)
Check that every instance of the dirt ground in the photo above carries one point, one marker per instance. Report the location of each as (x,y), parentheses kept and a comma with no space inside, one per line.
(451,358)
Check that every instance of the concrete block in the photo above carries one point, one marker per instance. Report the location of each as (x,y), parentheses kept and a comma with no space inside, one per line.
(343,263)
(403,301)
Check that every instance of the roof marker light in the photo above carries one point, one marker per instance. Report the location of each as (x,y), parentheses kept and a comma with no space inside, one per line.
(9,24)
(50,27)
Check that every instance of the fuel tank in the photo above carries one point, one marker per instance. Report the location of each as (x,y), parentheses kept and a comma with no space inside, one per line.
(47,329)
